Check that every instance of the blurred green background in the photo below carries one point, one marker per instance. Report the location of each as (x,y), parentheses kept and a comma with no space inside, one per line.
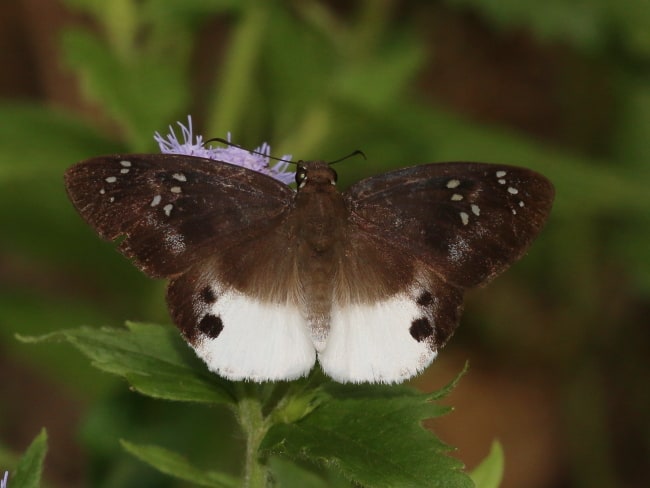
(558,346)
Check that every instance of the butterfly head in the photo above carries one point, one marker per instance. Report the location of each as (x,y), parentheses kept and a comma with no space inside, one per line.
(315,175)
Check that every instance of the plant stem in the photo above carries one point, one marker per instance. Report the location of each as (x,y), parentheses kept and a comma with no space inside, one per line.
(254,426)
(234,89)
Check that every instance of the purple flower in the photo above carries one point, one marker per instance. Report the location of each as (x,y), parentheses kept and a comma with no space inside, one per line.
(257,160)
(3,481)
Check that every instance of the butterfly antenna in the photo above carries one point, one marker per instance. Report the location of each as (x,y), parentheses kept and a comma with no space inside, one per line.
(232,144)
(353,153)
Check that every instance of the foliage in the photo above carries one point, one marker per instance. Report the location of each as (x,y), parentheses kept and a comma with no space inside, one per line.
(489,473)
(30,466)
(371,434)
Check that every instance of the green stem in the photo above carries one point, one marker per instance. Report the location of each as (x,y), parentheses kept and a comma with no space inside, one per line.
(238,72)
(254,425)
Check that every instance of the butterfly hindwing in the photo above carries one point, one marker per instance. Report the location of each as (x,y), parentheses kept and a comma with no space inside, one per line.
(173,210)
(239,336)
(469,220)
(390,315)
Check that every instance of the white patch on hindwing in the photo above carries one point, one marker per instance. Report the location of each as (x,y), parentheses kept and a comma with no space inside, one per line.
(258,341)
(246,339)
(375,343)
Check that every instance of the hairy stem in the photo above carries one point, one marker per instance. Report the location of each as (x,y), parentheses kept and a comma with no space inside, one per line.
(254,426)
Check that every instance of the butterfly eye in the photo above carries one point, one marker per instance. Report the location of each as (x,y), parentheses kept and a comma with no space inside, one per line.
(301,176)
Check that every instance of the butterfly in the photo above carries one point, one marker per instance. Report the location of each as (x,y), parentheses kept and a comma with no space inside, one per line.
(264,280)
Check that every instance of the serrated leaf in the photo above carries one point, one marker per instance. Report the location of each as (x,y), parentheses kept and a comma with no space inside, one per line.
(30,467)
(153,359)
(374,436)
(489,473)
(173,464)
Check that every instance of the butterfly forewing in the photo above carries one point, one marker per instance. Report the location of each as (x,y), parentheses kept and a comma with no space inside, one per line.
(220,232)
(173,210)
(468,220)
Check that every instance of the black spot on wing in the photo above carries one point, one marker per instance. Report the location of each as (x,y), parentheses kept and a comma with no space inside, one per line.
(425,299)
(207,295)
(211,325)
(421,329)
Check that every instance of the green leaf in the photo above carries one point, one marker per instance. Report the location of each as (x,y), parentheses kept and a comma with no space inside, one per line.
(489,473)
(29,468)
(287,474)
(31,313)
(153,359)
(138,91)
(379,80)
(62,140)
(374,436)
(174,464)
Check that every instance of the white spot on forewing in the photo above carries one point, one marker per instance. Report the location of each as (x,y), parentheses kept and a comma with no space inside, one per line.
(521,203)
(512,191)
(124,171)
(502,181)
(259,341)
(125,164)
(514,212)
(156,200)
(372,342)
(111,200)
(501,174)
(102,191)
(456,197)
(110,179)
(464,217)
(179,177)
(168,209)
(175,189)
(453,183)
(476,210)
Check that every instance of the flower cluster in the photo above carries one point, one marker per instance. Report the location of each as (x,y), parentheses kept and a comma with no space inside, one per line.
(257,160)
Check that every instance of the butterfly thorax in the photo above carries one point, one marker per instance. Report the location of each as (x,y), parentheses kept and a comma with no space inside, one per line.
(320,209)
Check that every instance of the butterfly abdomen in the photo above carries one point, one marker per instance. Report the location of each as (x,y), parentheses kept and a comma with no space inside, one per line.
(320,220)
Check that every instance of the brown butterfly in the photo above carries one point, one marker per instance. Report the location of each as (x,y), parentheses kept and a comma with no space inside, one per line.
(265,279)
